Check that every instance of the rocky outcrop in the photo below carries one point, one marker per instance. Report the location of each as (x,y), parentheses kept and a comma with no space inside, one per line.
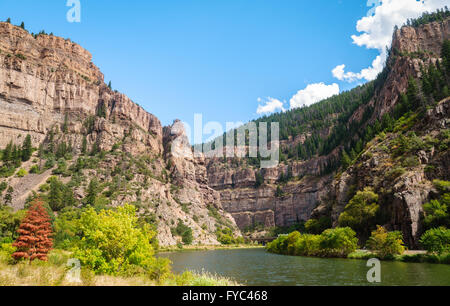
(252,206)
(412,47)
(262,206)
(402,193)
(313,194)
(50,89)
(45,79)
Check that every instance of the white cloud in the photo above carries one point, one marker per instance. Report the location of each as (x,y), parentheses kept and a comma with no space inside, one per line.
(313,93)
(271,105)
(377,32)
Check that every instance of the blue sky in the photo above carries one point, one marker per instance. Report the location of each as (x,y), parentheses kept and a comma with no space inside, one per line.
(214,57)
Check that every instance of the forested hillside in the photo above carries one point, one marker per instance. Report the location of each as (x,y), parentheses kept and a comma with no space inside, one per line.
(321,142)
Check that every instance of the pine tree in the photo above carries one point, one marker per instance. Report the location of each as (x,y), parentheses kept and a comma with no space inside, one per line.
(346,161)
(51,144)
(27,149)
(353,154)
(259,179)
(7,152)
(413,94)
(91,195)
(279,192)
(16,155)
(55,196)
(22,25)
(446,57)
(8,20)
(8,196)
(35,231)
(101,111)
(68,197)
(84,145)
(66,124)
(387,123)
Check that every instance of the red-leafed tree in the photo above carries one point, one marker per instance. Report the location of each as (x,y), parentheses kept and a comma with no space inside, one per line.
(35,232)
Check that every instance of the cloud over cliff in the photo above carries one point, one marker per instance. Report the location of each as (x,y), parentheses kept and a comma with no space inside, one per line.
(376,32)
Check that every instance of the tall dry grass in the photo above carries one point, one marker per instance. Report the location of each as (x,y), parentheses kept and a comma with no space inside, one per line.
(55,272)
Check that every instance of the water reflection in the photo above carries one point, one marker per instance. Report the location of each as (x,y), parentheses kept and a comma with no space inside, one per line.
(259,268)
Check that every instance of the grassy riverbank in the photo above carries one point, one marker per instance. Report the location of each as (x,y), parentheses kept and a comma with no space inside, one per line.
(55,272)
(343,243)
(407,256)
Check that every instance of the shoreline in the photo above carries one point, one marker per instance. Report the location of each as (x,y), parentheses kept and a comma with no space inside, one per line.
(410,256)
(193,248)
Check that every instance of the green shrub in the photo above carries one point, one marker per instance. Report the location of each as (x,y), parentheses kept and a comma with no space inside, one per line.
(436,213)
(22,172)
(6,251)
(386,244)
(308,245)
(21,56)
(290,242)
(436,240)
(277,246)
(339,242)
(44,187)
(408,144)
(395,173)
(442,186)
(410,161)
(3,186)
(62,168)
(360,212)
(66,234)
(50,163)
(279,192)
(225,236)
(113,244)
(35,169)
(187,237)
(184,231)
(9,223)
(317,226)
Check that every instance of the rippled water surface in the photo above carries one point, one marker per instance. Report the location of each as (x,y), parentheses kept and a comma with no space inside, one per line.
(259,268)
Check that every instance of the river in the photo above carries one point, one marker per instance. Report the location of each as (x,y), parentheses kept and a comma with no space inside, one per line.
(256,267)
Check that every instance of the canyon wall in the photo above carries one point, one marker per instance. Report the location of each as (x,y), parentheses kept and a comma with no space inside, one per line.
(311,194)
(51,90)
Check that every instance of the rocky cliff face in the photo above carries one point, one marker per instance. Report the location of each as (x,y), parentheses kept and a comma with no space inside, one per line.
(312,194)
(412,48)
(252,206)
(51,90)
(403,187)
(46,78)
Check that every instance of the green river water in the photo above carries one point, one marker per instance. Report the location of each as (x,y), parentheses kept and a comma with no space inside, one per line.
(256,267)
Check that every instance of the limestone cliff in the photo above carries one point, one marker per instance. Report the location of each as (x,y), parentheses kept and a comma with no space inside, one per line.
(51,90)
